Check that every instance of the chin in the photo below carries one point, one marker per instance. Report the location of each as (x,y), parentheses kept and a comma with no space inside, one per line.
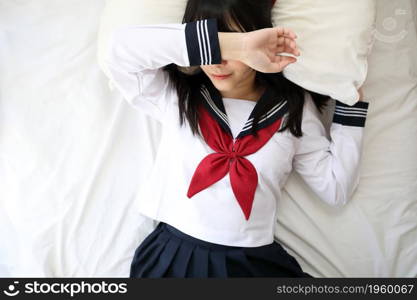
(223,87)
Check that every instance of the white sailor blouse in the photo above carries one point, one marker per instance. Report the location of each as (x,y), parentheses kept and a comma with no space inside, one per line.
(220,187)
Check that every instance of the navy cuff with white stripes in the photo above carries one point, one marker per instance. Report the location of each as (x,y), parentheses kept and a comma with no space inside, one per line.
(354,115)
(203,42)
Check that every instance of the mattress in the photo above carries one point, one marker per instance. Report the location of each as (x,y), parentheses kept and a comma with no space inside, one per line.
(73,155)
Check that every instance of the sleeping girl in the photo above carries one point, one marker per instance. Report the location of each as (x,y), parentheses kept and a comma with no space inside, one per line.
(233,128)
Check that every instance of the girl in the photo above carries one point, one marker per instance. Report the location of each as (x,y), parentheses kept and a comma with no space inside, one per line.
(233,129)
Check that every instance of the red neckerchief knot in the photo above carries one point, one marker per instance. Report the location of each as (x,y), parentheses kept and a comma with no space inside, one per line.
(229,157)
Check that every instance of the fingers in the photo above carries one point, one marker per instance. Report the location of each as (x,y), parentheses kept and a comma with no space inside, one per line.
(280,63)
(287,45)
(274,64)
(286,32)
(286,41)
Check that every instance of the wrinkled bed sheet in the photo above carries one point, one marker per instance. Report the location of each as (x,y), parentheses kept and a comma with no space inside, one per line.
(73,154)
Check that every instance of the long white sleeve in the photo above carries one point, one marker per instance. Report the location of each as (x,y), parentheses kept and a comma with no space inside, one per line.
(331,168)
(137,54)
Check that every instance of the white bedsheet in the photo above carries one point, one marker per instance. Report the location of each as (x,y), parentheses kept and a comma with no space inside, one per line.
(72,155)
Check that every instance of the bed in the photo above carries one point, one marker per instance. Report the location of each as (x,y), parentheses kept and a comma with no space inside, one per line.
(73,154)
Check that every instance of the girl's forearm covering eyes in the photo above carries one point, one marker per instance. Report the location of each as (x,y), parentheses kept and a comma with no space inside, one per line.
(231,45)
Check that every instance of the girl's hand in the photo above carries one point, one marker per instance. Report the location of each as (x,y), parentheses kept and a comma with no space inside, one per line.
(261,49)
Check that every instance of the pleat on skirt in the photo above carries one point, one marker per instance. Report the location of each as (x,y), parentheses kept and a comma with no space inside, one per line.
(169,252)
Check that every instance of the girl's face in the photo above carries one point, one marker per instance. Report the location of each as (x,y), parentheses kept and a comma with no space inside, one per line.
(239,78)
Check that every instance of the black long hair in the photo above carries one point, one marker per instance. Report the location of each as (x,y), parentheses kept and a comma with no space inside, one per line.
(249,15)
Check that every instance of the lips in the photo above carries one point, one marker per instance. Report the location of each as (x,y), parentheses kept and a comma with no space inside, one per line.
(221,76)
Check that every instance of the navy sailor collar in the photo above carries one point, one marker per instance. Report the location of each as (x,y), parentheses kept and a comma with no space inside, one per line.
(213,101)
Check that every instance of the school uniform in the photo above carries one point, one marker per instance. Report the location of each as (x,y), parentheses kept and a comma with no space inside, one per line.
(215,196)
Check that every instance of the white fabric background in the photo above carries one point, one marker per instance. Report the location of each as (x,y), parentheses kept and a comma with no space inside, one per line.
(72,155)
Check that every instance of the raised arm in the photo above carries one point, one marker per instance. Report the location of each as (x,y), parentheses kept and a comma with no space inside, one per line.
(137,54)
(331,168)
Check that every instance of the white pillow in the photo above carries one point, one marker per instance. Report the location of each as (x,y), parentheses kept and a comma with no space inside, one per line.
(334,37)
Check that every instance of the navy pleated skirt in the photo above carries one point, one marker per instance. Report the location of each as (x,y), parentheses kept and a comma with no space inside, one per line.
(169,252)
